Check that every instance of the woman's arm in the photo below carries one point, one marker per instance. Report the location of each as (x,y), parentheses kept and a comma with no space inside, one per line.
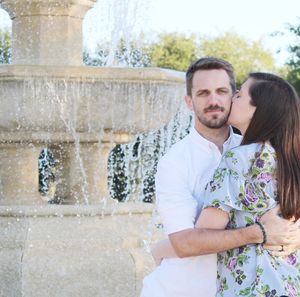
(212,218)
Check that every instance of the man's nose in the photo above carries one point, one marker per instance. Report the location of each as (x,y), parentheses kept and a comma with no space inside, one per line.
(213,98)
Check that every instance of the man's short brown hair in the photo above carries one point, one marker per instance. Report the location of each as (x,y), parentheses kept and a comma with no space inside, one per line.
(209,63)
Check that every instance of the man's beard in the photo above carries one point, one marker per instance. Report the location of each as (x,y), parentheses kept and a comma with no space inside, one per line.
(215,122)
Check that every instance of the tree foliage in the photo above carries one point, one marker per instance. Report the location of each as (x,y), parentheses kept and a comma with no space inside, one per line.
(173,51)
(5,47)
(177,51)
(294,61)
(245,56)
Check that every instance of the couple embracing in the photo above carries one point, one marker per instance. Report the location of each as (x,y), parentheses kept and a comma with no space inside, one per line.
(230,204)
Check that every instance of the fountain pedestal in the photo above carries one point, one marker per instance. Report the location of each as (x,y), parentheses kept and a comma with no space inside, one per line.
(80,112)
(47,32)
(19,178)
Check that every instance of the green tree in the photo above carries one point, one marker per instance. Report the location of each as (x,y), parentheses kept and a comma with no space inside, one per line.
(173,51)
(5,47)
(245,56)
(294,61)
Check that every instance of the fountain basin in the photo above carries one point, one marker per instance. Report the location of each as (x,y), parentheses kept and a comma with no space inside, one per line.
(87,99)
(75,250)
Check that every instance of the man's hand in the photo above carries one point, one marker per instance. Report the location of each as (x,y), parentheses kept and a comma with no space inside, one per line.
(162,249)
(280,232)
(156,254)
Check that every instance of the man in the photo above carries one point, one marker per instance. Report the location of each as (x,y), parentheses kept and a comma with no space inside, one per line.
(180,183)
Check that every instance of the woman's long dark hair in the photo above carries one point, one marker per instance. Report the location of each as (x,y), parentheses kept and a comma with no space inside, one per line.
(277,119)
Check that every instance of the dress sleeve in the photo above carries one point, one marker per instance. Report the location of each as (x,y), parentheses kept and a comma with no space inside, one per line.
(227,188)
(174,201)
(245,180)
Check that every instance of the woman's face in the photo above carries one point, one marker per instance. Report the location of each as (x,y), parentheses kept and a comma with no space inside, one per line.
(241,110)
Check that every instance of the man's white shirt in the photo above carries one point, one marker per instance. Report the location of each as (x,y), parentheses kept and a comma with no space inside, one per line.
(182,175)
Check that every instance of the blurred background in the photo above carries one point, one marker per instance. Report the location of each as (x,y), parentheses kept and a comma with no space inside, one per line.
(253,36)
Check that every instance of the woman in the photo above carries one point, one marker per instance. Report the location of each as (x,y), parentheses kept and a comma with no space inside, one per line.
(254,177)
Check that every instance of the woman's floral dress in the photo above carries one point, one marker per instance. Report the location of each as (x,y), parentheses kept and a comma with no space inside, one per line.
(244,186)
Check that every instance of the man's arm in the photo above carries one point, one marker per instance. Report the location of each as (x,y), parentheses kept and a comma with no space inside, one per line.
(210,237)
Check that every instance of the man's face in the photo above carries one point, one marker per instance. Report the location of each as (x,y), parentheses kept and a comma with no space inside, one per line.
(211,98)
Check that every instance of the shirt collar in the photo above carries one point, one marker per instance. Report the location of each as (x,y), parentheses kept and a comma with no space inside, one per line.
(198,138)
(229,140)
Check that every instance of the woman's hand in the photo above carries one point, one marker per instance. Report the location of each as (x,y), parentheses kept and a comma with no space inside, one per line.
(281,251)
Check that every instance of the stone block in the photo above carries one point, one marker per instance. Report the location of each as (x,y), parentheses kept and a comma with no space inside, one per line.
(11,272)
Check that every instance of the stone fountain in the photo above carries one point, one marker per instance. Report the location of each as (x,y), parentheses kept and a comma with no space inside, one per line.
(89,245)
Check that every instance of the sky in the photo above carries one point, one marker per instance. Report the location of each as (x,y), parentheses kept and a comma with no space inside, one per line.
(252,20)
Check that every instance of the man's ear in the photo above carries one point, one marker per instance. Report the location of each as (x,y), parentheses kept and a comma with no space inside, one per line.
(189,102)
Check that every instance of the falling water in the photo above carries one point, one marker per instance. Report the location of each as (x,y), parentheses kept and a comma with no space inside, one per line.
(68,108)
(132,167)
(111,22)
(79,114)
